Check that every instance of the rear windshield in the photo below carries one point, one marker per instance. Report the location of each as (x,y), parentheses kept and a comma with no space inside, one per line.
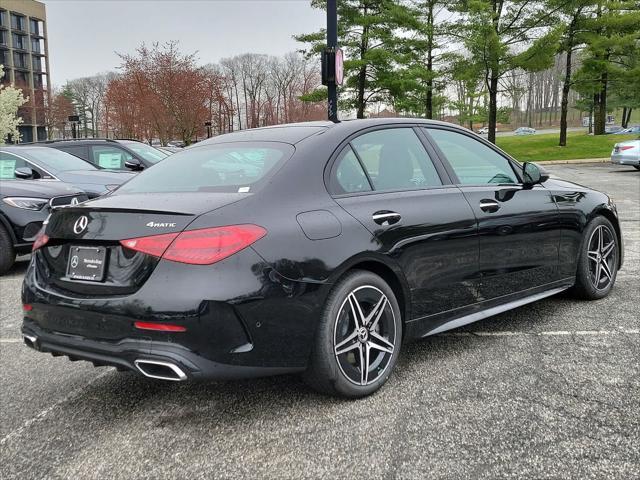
(231,167)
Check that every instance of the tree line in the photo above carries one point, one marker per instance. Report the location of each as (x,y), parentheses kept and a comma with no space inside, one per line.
(475,62)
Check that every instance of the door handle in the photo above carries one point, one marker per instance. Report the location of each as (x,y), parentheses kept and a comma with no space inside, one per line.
(386,217)
(489,206)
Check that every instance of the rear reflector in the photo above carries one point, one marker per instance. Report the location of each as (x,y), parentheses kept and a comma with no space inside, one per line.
(159,327)
(27,307)
(198,247)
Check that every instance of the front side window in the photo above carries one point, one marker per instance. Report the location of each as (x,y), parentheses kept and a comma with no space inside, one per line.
(473,162)
(110,157)
(395,159)
(8,165)
(240,167)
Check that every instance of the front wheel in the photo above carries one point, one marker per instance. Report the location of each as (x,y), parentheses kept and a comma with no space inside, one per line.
(7,252)
(358,338)
(598,260)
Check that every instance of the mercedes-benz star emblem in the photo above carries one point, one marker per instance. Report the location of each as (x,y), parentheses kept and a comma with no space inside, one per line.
(80,225)
(74,261)
(74,201)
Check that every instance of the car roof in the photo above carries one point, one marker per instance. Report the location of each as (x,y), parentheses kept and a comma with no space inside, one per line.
(81,141)
(294,133)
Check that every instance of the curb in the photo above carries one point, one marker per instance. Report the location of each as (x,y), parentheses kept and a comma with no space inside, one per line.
(578,160)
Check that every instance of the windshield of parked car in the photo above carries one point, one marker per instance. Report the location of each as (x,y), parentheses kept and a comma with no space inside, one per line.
(147,152)
(55,160)
(230,167)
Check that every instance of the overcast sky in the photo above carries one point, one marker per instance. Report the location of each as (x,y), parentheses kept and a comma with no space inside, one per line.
(85,34)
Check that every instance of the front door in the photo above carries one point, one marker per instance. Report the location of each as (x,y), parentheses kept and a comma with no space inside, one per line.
(518,227)
(388,182)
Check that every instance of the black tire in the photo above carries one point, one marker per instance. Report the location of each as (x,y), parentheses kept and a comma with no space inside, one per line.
(340,373)
(7,252)
(591,285)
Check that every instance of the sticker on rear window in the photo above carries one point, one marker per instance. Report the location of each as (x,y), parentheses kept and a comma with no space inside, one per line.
(244,189)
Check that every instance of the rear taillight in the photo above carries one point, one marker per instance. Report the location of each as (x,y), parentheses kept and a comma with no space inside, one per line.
(198,247)
(40,241)
(625,147)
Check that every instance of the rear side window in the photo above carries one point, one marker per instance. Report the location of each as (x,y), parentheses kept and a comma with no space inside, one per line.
(473,162)
(81,151)
(395,159)
(230,167)
(349,176)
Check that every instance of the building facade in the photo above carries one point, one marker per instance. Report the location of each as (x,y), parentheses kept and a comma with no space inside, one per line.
(25,55)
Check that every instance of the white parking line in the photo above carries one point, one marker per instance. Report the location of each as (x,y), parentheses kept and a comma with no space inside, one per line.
(552,333)
(10,340)
(46,411)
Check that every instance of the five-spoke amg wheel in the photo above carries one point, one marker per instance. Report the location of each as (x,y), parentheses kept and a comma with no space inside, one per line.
(598,262)
(358,339)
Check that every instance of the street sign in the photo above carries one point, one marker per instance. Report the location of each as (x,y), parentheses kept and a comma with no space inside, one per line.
(339,67)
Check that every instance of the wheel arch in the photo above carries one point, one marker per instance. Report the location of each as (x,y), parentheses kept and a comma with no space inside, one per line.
(603,211)
(391,274)
(7,226)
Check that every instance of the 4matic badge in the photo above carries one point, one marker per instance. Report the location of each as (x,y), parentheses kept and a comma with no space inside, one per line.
(160,225)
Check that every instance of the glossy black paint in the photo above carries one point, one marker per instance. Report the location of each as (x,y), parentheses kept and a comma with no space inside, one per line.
(255,312)
(23,224)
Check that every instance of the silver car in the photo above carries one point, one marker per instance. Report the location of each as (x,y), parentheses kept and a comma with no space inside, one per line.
(627,153)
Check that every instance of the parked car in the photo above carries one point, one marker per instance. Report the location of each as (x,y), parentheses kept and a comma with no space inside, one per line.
(335,245)
(483,131)
(525,131)
(176,143)
(169,149)
(111,154)
(627,131)
(612,129)
(24,205)
(627,153)
(48,164)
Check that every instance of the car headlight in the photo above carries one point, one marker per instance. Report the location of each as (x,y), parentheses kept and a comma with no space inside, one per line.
(26,202)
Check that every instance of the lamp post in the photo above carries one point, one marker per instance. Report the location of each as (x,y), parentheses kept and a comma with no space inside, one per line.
(208,125)
(332,62)
(74,120)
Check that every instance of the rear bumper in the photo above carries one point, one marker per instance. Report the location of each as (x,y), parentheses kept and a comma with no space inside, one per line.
(625,159)
(127,354)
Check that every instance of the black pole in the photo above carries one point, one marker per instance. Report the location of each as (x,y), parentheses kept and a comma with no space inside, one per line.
(332,43)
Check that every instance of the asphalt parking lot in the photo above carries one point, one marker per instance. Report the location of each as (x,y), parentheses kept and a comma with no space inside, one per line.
(550,390)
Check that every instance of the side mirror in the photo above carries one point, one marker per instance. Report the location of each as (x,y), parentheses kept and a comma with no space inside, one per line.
(24,173)
(533,174)
(133,164)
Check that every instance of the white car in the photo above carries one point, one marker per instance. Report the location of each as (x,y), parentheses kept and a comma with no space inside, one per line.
(483,131)
(627,153)
(525,131)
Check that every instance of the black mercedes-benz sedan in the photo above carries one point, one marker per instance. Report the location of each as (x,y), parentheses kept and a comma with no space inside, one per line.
(316,248)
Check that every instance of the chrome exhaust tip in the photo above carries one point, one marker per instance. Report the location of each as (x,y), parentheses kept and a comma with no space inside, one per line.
(30,341)
(160,370)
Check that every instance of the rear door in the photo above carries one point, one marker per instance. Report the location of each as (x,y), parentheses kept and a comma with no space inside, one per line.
(386,180)
(519,229)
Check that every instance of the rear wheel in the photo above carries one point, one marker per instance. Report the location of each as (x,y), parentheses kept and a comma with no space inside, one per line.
(7,252)
(598,261)
(358,339)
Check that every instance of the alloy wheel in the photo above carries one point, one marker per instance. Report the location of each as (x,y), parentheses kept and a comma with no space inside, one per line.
(602,257)
(365,335)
